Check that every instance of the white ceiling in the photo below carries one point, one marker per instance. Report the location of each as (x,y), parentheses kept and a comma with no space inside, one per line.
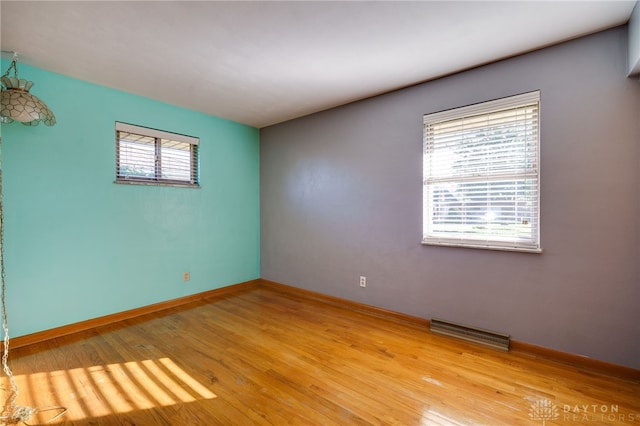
(261,63)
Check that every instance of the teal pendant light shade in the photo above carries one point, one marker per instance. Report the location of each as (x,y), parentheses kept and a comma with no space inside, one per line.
(17,104)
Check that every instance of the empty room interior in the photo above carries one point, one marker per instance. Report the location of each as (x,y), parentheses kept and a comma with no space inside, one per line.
(320,213)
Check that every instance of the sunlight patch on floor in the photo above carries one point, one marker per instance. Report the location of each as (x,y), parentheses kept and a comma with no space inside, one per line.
(104,390)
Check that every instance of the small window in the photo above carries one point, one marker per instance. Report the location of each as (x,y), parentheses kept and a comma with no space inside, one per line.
(481,175)
(149,156)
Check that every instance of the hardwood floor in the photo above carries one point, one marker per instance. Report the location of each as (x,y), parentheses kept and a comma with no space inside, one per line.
(270,358)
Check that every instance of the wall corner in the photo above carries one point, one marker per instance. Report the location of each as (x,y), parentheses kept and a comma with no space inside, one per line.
(633,57)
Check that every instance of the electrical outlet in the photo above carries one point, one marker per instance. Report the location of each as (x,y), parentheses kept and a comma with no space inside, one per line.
(186,276)
(363,281)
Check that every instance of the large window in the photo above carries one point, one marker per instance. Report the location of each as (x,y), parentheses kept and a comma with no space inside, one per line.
(481,175)
(150,156)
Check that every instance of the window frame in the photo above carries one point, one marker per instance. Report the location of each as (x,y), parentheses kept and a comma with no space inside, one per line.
(476,239)
(159,136)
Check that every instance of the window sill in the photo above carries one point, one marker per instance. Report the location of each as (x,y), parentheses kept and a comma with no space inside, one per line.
(484,247)
(156,183)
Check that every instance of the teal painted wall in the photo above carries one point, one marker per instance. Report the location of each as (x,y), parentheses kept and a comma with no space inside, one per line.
(79,246)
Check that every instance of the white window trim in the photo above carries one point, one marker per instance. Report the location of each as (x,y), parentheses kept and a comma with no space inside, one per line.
(158,134)
(494,243)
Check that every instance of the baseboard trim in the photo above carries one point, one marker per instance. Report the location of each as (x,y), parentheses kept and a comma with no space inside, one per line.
(77,327)
(566,358)
(579,361)
(354,306)
(576,361)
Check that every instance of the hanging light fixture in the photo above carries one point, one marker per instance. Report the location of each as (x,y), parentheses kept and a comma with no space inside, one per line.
(18,104)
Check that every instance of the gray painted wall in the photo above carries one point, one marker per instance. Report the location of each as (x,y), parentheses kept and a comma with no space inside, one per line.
(341,196)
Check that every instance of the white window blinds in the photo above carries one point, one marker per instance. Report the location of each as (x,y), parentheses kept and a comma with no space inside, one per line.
(481,175)
(155,157)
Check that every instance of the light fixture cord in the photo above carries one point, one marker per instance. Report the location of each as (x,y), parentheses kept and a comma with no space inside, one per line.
(11,413)
(13,66)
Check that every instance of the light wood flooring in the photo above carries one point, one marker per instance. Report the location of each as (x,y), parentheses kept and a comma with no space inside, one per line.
(268,357)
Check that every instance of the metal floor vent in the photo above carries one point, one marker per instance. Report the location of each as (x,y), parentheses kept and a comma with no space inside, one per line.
(470,334)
